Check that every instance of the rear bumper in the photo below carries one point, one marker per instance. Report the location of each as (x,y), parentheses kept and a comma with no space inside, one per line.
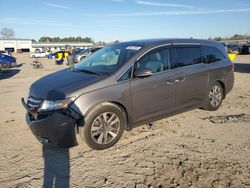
(229,82)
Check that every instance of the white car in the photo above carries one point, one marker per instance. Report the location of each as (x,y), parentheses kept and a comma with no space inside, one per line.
(39,54)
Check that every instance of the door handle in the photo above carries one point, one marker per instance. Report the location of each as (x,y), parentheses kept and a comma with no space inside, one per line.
(180,80)
(169,83)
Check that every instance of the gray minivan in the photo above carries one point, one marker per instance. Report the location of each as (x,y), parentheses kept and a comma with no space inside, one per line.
(125,85)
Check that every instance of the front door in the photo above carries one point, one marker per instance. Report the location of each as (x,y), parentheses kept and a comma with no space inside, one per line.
(153,96)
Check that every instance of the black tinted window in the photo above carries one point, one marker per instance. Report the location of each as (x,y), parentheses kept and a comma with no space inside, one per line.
(185,56)
(213,54)
(157,61)
(126,75)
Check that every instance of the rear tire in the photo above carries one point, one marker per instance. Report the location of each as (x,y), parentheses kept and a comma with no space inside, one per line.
(103,126)
(214,97)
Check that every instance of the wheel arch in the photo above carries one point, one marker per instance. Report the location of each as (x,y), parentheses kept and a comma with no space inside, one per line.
(223,87)
(123,108)
(116,103)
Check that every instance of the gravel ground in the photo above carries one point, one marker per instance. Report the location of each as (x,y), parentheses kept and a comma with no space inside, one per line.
(193,149)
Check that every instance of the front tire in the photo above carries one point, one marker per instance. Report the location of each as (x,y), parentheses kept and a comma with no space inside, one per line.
(103,126)
(5,66)
(215,97)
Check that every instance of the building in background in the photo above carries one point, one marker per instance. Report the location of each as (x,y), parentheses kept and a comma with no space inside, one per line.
(26,45)
(15,45)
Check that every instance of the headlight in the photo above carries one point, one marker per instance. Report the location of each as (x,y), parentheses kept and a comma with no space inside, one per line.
(55,105)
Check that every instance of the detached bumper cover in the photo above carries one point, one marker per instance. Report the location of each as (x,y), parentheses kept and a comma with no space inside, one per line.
(56,129)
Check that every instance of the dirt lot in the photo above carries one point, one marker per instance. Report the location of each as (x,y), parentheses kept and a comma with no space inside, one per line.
(193,149)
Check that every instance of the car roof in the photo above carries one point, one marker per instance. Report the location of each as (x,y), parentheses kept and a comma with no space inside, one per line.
(154,42)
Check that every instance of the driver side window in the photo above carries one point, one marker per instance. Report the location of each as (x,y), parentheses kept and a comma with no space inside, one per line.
(157,61)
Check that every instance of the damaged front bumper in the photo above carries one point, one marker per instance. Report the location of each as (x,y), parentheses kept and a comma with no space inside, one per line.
(55,128)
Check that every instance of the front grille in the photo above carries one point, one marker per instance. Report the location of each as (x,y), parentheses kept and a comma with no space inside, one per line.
(34,103)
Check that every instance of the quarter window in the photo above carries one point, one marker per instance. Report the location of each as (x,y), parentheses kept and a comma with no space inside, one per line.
(185,56)
(126,75)
(157,61)
(213,54)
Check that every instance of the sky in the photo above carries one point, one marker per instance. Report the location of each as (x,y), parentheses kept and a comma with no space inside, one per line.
(110,20)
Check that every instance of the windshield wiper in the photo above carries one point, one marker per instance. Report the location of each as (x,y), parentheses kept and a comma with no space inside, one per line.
(87,71)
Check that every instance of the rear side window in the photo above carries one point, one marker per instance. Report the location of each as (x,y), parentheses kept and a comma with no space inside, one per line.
(213,54)
(185,56)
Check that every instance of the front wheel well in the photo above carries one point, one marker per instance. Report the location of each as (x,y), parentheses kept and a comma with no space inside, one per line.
(122,107)
(125,113)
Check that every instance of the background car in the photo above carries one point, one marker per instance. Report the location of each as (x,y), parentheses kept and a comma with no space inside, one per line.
(233,48)
(77,54)
(7,61)
(39,54)
(78,50)
(85,53)
(245,49)
(70,58)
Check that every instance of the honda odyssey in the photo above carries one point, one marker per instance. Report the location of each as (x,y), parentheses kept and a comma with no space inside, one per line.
(125,85)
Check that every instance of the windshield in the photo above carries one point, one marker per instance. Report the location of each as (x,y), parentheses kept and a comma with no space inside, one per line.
(107,60)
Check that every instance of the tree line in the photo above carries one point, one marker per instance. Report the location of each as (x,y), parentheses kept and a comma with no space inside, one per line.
(234,37)
(8,33)
(75,39)
(66,39)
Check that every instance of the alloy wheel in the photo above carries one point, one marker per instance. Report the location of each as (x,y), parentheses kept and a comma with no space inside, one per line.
(215,96)
(105,128)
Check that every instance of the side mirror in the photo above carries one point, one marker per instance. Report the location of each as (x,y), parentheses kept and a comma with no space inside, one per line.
(143,72)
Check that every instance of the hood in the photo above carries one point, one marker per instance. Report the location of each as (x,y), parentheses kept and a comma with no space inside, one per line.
(7,58)
(61,84)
